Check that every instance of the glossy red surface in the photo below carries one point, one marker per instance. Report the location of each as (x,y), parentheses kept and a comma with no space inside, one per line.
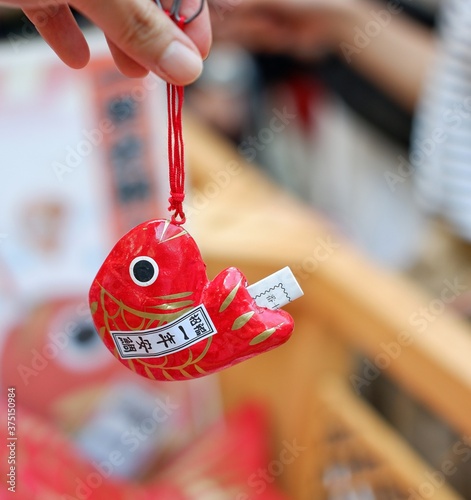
(118,303)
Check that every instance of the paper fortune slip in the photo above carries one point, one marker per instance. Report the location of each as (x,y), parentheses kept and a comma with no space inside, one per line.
(276,290)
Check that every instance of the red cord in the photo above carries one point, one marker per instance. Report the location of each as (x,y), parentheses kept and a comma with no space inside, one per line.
(176,151)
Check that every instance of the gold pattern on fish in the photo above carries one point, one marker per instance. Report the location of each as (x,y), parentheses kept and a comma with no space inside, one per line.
(159,318)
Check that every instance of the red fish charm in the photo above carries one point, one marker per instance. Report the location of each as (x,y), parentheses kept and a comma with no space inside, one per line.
(158,313)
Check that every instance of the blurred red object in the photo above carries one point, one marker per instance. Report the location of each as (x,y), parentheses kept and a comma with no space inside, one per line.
(218,465)
(155,275)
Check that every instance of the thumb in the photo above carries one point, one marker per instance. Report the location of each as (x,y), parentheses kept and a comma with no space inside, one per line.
(144,34)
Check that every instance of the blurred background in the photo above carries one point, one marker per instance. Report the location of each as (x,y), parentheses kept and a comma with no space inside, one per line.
(368,401)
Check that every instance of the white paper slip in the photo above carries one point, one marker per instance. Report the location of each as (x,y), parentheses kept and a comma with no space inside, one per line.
(190,328)
(276,290)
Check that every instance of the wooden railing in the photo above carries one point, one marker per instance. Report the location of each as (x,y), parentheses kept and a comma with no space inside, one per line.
(241,219)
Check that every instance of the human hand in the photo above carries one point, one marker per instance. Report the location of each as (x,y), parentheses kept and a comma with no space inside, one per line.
(141,37)
(295,27)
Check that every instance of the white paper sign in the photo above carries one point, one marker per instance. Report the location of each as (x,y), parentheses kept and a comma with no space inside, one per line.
(188,329)
(276,290)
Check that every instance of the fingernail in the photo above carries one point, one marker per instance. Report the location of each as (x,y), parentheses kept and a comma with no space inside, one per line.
(180,63)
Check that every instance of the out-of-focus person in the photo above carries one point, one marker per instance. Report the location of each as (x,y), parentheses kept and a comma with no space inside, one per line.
(425,73)
(373,37)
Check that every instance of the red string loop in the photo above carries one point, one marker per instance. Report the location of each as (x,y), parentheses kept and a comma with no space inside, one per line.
(176,153)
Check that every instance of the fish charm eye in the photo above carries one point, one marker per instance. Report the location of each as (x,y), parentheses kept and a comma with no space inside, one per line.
(144,271)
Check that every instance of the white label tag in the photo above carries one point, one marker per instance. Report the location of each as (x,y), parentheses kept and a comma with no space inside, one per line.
(276,290)
(192,327)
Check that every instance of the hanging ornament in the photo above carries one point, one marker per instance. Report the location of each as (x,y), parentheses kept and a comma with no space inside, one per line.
(154,306)
(158,313)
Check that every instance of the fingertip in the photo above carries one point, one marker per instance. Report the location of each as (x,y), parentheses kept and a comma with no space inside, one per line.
(75,59)
(127,66)
(133,71)
(63,34)
(179,64)
(199,31)
(206,48)
(79,59)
